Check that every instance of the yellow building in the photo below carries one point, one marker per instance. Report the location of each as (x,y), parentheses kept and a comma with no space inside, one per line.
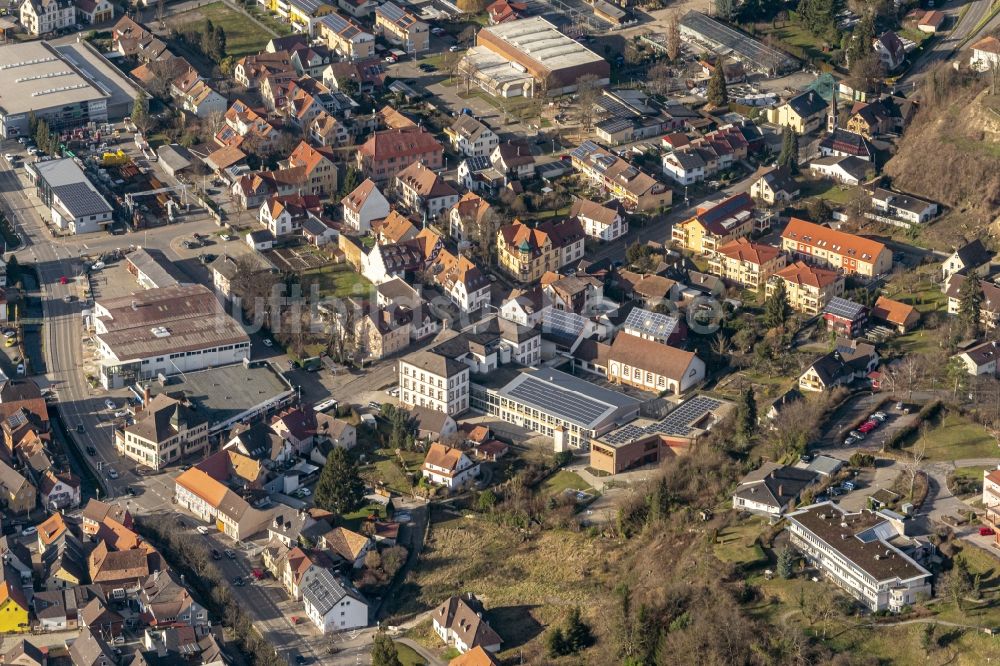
(13,607)
(527,253)
(803,113)
(716,225)
(849,253)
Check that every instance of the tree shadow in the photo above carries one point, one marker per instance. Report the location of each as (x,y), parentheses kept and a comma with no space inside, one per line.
(515,624)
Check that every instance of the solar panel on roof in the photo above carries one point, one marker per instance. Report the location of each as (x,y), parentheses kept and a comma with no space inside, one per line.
(678,423)
(562,322)
(340,25)
(646,323)
(573,406)
(583,150)
(614,125)
(841,307)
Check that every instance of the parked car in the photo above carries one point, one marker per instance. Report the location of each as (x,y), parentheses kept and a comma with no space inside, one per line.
(881,416)
(857,435)
(97,266)
(986,531)
(202,529)
(110,404)
(268,343)
(230,554)
(238,581)
(91,451)
(216,555)
(847,485)
(851,439)
(131,491)
(121,413)
(30,530)
(325,405)
(112,473)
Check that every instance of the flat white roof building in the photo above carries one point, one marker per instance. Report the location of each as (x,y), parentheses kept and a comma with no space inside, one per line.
(74,202)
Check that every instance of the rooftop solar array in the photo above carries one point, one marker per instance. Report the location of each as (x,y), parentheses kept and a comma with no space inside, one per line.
(569,398)
(574,406)
(81,200)
(841,307)
(563,323)
(477,164)
(340,25)
(584,150)
(392,12)
(751,51)
(678,423)
(614,125)
(648,324)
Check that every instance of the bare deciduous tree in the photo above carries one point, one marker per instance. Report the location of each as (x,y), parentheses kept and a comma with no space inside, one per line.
(587,94)
(673,35)
(914,458)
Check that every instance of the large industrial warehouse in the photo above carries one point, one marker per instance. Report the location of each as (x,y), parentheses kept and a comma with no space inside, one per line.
(529,57)
(68,87)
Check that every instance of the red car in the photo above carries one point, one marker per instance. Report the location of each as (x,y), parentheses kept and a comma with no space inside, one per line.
(986,531)
(63,280)
(866,428)
(257,573)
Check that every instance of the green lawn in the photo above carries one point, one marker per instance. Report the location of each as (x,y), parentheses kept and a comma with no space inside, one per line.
(243,36)
(563,480)
(738,543)
(408,656)
(342,283)
(796,35)
(956,437)
(826,189)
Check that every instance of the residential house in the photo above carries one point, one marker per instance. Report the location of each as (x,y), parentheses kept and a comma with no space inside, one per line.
(478,174)
(989,309)
(896,315)
(332,604)
(991,494)
(431,424)
(843,143)
(577,293)
(165,431)
(349,546)
(320,170)
(285,215)
(653,366)
(860,552)
(337,432)
(25,653)
(400,27)
(93,12)
(714,225)
(383,332)
(461,280)
(387,152)
(848,170)
(845,317)
(513,159)
(981,359)
(89,649)
(449,467)
(395,228)
(202,100)
(850,360)
(526,253)
(502,11)
(345,37)
(605,222)
(208,498)
(808,289)
(39,17)
(430,379)
(18,494)
(385,262)
(328,132)
(658,327)
(803,113)
(888,114)
(357,8)
(890,50)
(746,263)
(849,253)
(470,218)
(648,290)
(985,54)
(972,256)
(459,622)
(471,137)
(774,185)
(772,489)
(424,191)
(250,70)
(13,603)
(929,21)
(118,571)
(477,656)
(637,190)
(702,158)
(902,206)
(297,426)
(363,206)
(59,490)
(96,512)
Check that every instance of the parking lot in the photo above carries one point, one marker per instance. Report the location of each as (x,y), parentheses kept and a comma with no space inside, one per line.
(853,414)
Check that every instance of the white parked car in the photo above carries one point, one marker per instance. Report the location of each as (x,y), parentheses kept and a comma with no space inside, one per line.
(267,342)
(202,529)
(97,266)
(325,405)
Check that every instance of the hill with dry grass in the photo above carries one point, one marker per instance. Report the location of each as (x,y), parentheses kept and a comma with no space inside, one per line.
(951,154)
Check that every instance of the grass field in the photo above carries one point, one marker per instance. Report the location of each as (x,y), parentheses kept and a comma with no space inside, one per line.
(738,543)
(826,189)
(563,480)
(956,437)
(408,656)
(343,283)
(243,36)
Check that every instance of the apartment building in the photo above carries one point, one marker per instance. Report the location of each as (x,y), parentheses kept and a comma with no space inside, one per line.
(604,222)
(424,191)
(319,169)
(526,253)
(746,263)
(345,37)
(165,431)
(636,189)
(808,289)
(431,379)
(387,152)
(40,17)
(366,204)
(471,137)
(857,552)
(400,27)
(851,254)
(989,308)
(714,225)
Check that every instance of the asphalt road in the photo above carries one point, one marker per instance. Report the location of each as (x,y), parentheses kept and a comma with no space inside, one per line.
(944,48)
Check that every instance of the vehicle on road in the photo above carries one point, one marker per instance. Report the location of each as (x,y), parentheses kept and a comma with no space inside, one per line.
(131,491)
(97,266)
(325,405)
(257,573)
(230,554)
(216,555)
(68,298)
(80,428)
(29,530)
(10,342)
(110,404)
(112,473)
(238,581)
(226,237)
(91,451)
(202,529)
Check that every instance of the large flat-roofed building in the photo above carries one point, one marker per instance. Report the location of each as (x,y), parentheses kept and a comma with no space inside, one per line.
(74,203)
(725,41)
(164,331)
(535,47)
(570,410)
(67,86)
